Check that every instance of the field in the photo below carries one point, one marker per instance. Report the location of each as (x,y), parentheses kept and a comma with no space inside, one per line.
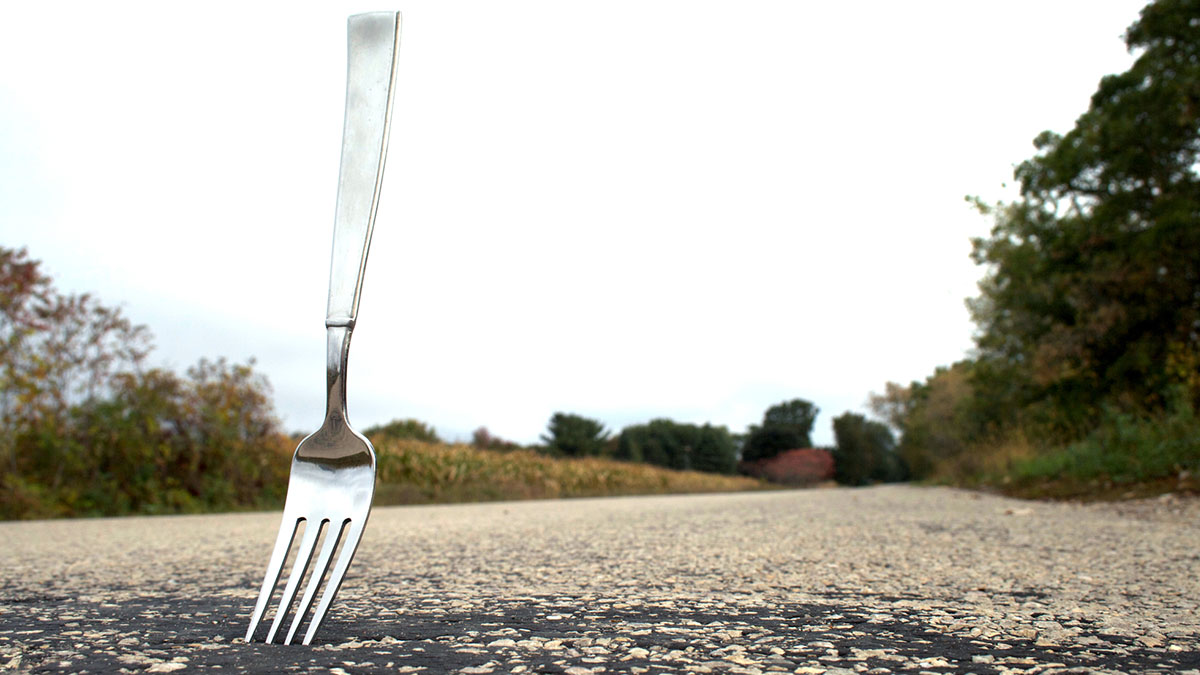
(416,472)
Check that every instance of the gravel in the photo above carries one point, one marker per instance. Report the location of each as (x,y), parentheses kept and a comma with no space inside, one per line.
(894,579)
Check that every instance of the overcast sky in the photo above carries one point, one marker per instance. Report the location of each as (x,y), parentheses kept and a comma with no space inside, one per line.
(626,210)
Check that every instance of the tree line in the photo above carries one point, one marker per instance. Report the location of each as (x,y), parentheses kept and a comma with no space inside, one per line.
(864,450)
(1087,358)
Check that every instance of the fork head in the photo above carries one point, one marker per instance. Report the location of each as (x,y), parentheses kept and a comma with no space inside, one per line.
(329,493)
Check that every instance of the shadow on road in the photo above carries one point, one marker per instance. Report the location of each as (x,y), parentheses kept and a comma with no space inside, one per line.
(542,635)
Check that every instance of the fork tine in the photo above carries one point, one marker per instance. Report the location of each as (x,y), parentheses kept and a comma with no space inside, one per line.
(299,566)
(314,580)
(274,569)
(353,535)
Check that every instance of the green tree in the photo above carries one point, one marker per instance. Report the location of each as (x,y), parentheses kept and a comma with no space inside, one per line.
(678,446)
(574,435)
(865,451)
(714,450)
(656,442)
(786,426)
(403,429)
(1092,299)
(797,414)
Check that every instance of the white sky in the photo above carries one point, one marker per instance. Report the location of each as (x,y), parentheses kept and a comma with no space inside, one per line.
(626,210)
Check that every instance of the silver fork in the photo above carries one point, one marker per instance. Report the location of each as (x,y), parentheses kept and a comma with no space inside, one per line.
(333,470)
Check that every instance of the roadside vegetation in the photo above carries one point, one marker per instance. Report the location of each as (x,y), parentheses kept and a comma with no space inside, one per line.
(1085,380)
(88,428)
(1084,383)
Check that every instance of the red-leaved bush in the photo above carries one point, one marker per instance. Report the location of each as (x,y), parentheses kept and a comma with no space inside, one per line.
(802,466)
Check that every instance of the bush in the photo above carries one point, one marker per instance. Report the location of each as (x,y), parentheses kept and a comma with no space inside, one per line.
(1124,449)
(799,467)
(159,444)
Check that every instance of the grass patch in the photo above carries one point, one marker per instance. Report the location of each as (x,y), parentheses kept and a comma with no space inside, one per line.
(416,472)
(1125,457)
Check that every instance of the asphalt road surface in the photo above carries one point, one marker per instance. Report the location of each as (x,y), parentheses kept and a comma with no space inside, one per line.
(889,579)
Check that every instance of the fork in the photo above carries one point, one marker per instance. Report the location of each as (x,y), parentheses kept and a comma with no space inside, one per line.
(333,470)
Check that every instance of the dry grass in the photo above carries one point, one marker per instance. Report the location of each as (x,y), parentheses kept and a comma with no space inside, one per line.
(415,472)
(1124,457)
(986,462)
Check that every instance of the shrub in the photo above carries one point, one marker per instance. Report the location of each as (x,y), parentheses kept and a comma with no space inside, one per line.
(1124,449)
(797,467)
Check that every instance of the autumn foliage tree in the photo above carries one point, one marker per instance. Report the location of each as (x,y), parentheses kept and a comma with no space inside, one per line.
(88,428)
(936,419)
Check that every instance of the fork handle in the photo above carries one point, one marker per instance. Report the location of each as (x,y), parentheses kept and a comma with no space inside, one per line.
(370,83)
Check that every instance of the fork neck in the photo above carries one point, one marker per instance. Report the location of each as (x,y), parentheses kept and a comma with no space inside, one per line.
(337,351)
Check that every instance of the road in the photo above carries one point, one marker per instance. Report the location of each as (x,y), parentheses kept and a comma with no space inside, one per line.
(876,580)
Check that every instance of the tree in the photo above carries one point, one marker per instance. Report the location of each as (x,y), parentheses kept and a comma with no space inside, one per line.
(678,446)
(766,442)
(87,428)
(786,426)
(55,349)
(894,405)
(865,451)
(656,442)
(797,414)
(574,435)
(714,450)
(1092,298)
(936,419)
